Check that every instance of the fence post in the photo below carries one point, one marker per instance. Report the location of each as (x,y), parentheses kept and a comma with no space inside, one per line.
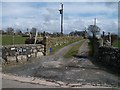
(45,40)
(103,38)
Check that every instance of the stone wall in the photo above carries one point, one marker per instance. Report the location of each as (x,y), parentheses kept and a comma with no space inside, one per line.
(109,56)
(20,53)
(103,52)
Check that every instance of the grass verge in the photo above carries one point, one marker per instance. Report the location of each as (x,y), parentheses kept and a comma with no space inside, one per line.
(74,50)
(56,48)
(90,48)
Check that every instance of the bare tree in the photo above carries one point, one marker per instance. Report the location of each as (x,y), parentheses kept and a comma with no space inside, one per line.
(94,29)
(18,32)
(10,30)
(33,31)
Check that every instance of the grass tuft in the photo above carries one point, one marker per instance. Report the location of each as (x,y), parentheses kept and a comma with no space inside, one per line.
(74,50)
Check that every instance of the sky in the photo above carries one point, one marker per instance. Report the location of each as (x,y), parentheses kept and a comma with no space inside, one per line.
(45,16)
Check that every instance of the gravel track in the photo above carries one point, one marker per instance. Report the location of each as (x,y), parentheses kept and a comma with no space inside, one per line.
(78,69)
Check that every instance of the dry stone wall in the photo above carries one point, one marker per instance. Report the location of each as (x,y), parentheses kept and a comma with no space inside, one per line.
(109,56)
(19,53)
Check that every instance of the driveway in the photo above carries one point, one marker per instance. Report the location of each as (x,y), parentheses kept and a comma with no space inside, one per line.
(77,71)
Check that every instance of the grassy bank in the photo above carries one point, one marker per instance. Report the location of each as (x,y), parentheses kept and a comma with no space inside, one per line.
(74,50)
(8,40)
(116,43)
(60,42)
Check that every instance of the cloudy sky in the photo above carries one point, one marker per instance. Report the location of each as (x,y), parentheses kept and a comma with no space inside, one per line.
(45,15)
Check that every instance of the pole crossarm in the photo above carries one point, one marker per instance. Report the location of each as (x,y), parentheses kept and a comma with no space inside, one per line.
(61,13)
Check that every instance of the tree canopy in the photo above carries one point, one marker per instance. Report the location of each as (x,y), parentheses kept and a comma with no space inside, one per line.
(94,29)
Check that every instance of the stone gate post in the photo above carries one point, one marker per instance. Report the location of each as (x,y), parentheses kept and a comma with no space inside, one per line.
(45,40)
(109,38)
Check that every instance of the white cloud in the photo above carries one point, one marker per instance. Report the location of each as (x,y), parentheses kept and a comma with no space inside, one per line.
(16,9)
(0,15)
(60,0)
(94,8)
(24,15)
(109,26)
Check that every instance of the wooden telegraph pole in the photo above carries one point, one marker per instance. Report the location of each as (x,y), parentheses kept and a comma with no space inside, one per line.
(94,28)
(61,12)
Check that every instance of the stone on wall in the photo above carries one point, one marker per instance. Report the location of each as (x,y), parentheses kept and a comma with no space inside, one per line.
(11,58)
(33,55)
(22,57)
(39,54)
(109,56)
(21,53)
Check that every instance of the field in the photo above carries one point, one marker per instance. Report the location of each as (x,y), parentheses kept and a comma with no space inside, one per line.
(8,40)
(53,42)
(116,43)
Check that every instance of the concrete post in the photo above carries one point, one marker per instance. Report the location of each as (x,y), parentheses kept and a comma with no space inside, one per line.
(101,42)
(109,37)
(36,35)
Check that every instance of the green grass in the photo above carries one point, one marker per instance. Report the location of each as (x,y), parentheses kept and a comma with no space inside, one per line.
(90,48)
(8,40)
(56,48)
(74,50)
(116,43)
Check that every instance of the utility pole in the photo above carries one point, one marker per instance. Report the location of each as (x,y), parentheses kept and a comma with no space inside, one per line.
(85,33)
(94,21)
(94,28)
(61,12)
(93,43)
